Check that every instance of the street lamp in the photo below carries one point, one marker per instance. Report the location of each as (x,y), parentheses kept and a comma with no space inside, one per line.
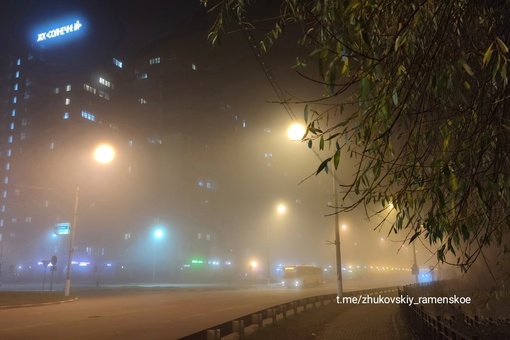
(253,265)
(158,233)
(296,132)
(103,154)
(280,210)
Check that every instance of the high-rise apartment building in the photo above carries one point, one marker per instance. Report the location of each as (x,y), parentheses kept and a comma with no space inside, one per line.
(61,95)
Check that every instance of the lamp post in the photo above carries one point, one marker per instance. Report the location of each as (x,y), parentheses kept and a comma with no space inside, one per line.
(280,210)
(339,285)
(296,132)
(103,154)
(158,233)
(253,265)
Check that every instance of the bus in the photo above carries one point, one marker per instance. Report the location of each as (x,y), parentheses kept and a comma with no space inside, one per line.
(302,276)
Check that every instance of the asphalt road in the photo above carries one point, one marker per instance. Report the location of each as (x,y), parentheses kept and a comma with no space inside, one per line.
(160,314)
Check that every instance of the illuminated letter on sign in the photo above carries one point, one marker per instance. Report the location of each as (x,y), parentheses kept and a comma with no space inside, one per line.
(59,31)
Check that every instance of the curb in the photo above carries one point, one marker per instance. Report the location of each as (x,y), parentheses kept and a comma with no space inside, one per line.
(38,304)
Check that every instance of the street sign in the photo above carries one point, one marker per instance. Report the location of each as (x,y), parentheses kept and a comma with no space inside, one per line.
(62,228)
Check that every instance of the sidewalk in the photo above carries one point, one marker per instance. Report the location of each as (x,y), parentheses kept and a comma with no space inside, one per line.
(367,321)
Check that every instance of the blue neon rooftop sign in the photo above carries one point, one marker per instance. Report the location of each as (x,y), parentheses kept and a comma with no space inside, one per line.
(59,31)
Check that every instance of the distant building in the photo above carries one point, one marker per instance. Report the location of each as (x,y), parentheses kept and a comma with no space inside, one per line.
(61,98)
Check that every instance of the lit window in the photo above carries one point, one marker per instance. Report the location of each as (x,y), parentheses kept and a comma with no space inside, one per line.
(57,90)
(89,88)
(193,67)
(142,101)
(27,95)
(200,183)
(127,236)
(268,155)
(244,123)
(142,75)
(68,87)
(105,82)
(130,143)
(16,87)
(4,194)
(14,100)
(23,136)
(28,82)
(17,74)
(6,180)
(52,145)
(66,115)
(3,207)
(68,101)
(18,62)
(104,95)
(9,153)
(154,140)
(153,61)
(208,237)
(12,126)
(9,139)
(117,63)
(28,219)
(13,113)
(24,122)
(199,236)
(7,166)
(88,115)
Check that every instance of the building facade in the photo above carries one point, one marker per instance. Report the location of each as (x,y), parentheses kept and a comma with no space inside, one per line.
(159,109)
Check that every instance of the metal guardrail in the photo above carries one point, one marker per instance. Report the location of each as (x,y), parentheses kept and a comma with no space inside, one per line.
(273,313)
(443,327)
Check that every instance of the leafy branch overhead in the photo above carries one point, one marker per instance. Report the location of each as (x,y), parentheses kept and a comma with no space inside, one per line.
(417,92)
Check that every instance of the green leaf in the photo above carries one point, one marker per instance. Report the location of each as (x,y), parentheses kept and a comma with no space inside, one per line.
(487,55)
(501,45)
(468,69)
(414,237)
(336,158)
(323,166)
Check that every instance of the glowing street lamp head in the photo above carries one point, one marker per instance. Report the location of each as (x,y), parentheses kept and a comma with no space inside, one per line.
(253,264)
(296,132)
(158,233)
(281,209)
(104,154)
